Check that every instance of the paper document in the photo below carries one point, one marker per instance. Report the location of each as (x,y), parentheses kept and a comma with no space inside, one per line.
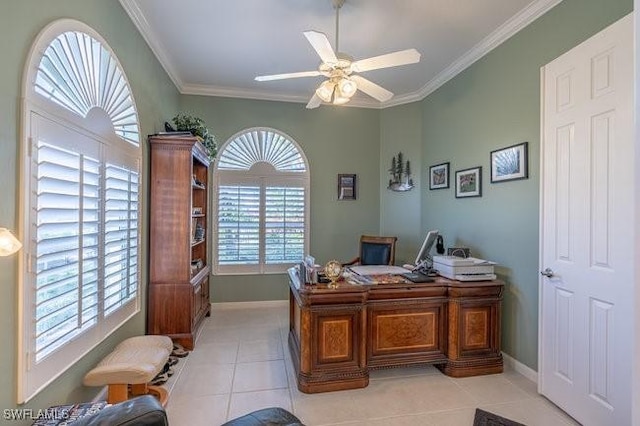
(377,269)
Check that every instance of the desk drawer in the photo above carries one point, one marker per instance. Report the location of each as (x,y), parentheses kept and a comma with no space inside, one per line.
(406,332)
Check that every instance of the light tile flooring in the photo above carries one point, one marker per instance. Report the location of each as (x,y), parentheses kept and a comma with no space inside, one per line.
(241,363)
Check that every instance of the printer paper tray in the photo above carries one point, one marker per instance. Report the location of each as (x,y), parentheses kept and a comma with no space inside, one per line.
(475,277)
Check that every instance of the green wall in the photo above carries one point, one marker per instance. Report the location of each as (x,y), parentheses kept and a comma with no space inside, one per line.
(493,104)
(156,99)
(400,212)
(334,140)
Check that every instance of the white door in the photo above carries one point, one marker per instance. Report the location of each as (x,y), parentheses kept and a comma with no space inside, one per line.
(587,243)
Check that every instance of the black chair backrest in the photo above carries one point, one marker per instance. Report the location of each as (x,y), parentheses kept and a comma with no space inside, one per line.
(375,253)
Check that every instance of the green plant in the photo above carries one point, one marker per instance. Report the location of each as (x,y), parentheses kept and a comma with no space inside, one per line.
(189,123)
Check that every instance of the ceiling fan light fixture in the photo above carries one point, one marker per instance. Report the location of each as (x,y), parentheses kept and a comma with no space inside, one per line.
(325,91)
(340,100)
(347,87)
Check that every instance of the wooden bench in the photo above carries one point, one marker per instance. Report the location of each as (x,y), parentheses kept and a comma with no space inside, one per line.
(130,367)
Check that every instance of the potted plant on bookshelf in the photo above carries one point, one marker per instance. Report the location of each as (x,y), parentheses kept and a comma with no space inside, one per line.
(188,123)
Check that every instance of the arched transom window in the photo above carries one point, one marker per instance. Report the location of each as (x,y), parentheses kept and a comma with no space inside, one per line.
(81,166)
(262,203)
(79,73)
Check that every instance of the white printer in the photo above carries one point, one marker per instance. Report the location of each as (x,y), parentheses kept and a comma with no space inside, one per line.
(464,268)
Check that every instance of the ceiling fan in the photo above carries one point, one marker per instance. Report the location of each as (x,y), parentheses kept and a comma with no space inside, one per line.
(340,69)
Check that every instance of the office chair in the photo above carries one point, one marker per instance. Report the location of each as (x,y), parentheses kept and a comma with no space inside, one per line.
(375,251)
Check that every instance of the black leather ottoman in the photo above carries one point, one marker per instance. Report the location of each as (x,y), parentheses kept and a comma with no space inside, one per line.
(274,416)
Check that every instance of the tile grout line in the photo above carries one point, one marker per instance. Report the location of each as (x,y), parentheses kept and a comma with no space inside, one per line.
(233,379)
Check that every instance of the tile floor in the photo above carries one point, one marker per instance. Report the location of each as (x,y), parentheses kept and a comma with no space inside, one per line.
(241,363)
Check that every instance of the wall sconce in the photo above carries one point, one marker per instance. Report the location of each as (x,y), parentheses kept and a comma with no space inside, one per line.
(8,243)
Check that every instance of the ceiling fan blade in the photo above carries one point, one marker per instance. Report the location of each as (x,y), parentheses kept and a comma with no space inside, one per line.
(321,44)
(372,89)
(403,57)
(314,102)
(288,75)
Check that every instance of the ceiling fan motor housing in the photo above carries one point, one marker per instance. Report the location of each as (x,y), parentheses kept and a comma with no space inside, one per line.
(343,64)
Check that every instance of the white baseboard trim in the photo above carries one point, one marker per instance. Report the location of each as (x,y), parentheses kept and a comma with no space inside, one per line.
(250,305)
(514,364)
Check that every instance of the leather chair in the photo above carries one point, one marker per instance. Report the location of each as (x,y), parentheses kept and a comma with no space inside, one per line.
(274,416)
(140,411)
(375,251)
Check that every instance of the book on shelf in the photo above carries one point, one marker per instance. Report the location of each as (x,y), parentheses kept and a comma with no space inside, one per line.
(194,223)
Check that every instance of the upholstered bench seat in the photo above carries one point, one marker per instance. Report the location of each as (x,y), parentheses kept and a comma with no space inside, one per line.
(135,361)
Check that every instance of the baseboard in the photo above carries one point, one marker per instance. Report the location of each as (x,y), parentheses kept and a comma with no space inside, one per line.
(250,305)
(516,365)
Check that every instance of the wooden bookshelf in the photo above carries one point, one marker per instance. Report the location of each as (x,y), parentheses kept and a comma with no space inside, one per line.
(178,298)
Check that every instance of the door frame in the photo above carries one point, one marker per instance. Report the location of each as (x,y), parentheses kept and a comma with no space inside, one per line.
(635,382)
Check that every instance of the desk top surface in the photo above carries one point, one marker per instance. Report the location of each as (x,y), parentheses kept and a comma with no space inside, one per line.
(385,283)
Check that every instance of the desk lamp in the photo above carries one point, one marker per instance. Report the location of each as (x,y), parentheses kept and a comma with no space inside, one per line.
(8,243)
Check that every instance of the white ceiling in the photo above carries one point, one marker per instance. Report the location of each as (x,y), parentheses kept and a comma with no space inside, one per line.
(216,47)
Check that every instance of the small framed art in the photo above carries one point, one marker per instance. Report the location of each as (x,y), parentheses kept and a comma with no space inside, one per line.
(439,176)
(510,163)
(346,187)
(469,182)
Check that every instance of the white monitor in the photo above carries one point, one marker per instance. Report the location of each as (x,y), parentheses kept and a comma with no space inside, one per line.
(424,258)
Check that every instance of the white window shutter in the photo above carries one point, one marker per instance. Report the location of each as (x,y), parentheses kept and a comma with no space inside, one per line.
(262,207)
(284,224)
(81,252)
(239,225)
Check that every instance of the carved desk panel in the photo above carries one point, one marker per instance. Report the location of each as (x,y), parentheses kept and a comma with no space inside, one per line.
(337,335)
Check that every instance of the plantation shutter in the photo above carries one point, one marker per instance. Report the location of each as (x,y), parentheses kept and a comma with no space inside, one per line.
(81,215)
(284,224)
(238,225)
(121,236)
(261,223)
(67,226)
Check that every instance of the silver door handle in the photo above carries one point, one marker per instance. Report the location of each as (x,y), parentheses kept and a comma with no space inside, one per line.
(547,273)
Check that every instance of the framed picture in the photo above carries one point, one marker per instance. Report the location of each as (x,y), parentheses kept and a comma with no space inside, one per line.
(510,163)
(469,182)
(346,187)
(439,176)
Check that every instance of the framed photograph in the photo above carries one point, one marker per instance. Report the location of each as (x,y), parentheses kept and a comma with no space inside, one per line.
(469,182)
(346,187)
(439,176)
(510,163)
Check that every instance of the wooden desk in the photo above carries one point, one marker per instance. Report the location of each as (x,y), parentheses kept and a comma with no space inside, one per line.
(337,335)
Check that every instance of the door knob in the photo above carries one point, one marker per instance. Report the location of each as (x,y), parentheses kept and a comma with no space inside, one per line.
(547,272)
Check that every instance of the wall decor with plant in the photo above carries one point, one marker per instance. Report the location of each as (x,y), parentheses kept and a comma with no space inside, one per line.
(400,171)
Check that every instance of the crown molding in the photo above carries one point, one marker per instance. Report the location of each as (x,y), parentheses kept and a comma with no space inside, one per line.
(237,92)
(139,20)
(519,21)
(493,40)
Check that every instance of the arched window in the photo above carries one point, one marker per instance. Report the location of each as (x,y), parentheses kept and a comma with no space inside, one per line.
(81,164)
(262,203)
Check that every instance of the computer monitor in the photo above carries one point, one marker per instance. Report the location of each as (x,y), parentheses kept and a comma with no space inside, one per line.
(423,259)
